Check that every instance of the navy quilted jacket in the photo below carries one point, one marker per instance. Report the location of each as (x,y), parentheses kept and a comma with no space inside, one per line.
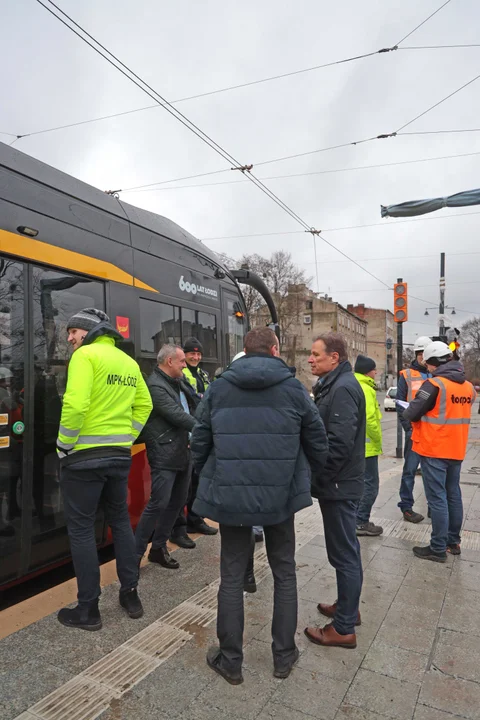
(256,437)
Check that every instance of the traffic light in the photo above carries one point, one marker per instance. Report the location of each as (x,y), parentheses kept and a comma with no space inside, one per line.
(400,302)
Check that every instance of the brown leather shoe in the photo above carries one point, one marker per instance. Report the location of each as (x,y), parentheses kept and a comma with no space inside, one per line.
(329,637)
(330,610)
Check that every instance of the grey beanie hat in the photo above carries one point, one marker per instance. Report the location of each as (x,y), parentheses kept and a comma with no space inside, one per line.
(87,319)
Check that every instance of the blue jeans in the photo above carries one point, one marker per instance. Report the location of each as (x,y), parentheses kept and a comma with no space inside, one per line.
(441,479)
(370,490)
(343,550)
(83,485)
(410,466)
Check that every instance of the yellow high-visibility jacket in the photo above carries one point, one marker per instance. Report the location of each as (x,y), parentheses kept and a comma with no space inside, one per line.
(106,402)
(373,440)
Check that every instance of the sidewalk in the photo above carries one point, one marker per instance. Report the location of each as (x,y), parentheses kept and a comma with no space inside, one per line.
(418,653)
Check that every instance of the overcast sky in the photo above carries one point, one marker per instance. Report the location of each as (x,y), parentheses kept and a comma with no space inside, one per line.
(49,78)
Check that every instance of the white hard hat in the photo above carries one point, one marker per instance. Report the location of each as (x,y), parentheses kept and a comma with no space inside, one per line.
(238,355)
(5,373)
(421,343)
(437,349)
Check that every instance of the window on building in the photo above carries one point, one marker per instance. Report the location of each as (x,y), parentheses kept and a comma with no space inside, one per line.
(159,324)
(309,305)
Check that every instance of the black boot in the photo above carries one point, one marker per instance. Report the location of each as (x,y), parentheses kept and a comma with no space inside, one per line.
(202,529)
(163,557)
(85,617)
(183,541)
(130,602)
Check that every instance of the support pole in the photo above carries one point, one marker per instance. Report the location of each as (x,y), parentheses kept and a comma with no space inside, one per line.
(441,305)
(399,450)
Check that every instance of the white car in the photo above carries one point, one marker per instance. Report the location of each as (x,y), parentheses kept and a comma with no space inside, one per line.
(389,402)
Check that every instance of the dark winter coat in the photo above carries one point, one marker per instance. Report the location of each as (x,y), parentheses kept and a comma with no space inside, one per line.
(341,403)
(257,434)
(166,433)
(426,397)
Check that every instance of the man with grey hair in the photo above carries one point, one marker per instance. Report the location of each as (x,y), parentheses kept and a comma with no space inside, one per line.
(167,437)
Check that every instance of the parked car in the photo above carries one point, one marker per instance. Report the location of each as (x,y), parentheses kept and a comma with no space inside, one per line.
(389,402)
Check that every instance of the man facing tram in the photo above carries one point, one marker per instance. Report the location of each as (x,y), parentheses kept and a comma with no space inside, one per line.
(105,406)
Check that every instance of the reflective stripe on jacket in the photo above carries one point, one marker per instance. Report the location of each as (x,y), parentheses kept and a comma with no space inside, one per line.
(443,431)
(190,377)
(106,402)
(414,381)
(373,439)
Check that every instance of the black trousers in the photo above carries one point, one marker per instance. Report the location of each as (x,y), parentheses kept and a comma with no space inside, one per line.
(343,550)
(168,494)
(83,485)
(236,546)
(189,518)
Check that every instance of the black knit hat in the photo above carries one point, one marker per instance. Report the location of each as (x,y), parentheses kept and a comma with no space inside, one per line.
(192,345)
(364,364)
(87,319)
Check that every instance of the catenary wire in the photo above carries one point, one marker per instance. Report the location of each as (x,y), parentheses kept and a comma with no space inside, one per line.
(291,157)
(347,227)
(423,22)
(307,174)
(194,128)
(257,82)
(432,107)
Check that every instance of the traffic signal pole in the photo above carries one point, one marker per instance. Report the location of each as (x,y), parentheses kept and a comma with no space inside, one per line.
(399,449)
(441,305)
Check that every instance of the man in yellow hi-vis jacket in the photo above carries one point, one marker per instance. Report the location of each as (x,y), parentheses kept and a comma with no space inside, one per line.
(105,407)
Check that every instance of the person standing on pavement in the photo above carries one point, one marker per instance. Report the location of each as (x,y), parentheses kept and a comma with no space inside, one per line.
(440,415)
(105,406)
(189,521)
(341,403)
(257,432)
(409,383)
(365,372)
(167,437)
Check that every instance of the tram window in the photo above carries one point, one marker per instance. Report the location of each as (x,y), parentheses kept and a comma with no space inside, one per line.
(203,326)
(11,402)
(159,324)
(56,297)
(236,330)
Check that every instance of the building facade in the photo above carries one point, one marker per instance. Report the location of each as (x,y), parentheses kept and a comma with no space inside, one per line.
(381,341)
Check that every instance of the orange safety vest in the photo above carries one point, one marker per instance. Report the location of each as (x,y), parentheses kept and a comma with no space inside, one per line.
(443,431)
(414,382)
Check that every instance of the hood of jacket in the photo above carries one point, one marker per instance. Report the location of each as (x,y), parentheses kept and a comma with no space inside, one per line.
(366,380)
(452,370)
(101,330)
(256,372)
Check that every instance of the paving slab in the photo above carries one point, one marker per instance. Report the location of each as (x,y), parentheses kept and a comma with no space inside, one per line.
(458,654)
(384,695)
(396,662)
(454,695)
(312,693)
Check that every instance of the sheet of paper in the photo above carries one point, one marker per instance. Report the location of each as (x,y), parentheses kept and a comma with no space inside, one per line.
(402,404)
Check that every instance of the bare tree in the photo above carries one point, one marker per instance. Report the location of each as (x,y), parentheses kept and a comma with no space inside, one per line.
(408,356)
(470,339)
(279,273)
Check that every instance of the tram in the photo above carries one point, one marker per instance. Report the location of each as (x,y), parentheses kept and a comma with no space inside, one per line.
(64,246)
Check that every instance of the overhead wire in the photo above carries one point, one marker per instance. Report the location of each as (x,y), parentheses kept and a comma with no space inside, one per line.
(290,157)
(304,174)
(423,22)
(440,102)
(255,82)
(346,227)
(145,87)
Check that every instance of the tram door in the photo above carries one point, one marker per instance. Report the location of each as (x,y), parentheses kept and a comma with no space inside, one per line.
(35,305)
